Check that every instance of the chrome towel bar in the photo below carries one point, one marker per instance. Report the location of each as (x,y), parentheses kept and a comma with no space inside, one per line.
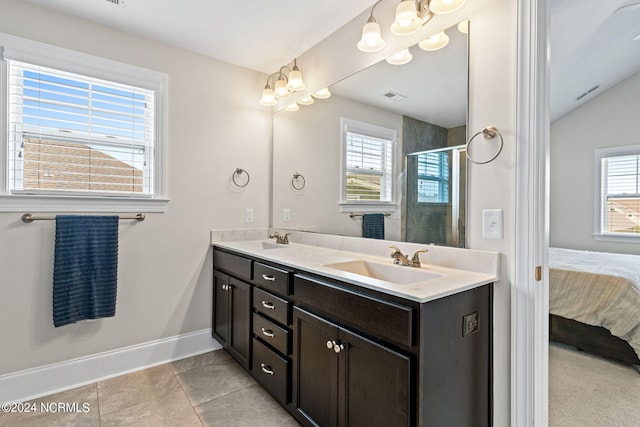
(28,218)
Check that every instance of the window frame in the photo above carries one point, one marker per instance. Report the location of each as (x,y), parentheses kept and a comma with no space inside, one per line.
(355,126)
(45,55)
(600,205)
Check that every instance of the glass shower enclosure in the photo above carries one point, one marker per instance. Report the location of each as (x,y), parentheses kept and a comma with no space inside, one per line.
(435,197)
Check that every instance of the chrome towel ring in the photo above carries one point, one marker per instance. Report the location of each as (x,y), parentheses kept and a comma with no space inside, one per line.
(297,177)
(489,132)
(236,175)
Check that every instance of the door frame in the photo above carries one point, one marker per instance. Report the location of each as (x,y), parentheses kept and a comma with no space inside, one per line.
(530,295)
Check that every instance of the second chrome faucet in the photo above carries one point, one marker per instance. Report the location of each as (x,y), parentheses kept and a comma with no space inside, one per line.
(401,259)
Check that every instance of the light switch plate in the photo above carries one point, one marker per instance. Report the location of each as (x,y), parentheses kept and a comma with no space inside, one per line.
(492,224)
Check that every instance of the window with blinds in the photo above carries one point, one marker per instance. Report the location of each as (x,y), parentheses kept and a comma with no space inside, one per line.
(433,177)
(70,133)
(367,163)
(620,184)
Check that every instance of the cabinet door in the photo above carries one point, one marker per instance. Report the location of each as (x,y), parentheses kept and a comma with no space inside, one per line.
(220,317)
(315,369)
(240,321)
(374,384)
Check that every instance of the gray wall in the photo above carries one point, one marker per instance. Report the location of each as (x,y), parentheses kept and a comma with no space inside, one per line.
(165,271)
(608,120)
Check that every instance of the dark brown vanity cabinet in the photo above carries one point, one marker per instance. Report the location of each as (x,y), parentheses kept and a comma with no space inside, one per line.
(343,379)
(231,319)
(337,354)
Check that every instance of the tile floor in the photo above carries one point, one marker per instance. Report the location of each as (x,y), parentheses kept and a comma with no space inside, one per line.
(206,390)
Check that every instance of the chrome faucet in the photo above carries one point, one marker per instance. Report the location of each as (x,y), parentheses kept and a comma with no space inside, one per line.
(401,259)
(282,240)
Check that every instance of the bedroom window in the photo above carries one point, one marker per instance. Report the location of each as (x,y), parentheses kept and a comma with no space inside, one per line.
(367,164)
(617,193)
(78,129)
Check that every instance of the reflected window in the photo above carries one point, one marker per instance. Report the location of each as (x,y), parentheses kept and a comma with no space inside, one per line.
(433,177)
(367,163)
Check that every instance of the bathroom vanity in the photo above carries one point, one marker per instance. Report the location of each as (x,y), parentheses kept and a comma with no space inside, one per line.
(344,338)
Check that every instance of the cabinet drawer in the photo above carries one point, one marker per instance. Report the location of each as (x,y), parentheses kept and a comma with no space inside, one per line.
(271,278)
(271,333)
(271,370)
(387,320)
(271,306)
(232,264)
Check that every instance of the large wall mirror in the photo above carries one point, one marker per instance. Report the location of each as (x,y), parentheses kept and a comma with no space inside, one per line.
(423,105)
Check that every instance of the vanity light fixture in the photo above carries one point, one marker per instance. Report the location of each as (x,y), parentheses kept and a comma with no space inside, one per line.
(287,80)
(435,42)
(371,40)
(322,93)
(411,15)
(400,58)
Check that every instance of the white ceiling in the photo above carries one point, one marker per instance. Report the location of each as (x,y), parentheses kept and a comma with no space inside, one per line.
(261,35)
(591,40)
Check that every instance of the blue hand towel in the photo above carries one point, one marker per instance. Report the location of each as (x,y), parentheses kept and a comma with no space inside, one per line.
(85,268)
(373,226)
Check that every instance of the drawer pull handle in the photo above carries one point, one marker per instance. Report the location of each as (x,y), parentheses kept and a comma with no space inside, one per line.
(268,305)
(269,278)
(267,332)
(266,369)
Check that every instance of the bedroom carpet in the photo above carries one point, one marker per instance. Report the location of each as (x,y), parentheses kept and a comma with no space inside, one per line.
(589,391)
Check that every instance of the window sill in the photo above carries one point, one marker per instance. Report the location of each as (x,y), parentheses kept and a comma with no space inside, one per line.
(63,204)
(622,238)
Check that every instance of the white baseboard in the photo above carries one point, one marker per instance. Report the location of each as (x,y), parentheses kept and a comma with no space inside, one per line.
(41,381)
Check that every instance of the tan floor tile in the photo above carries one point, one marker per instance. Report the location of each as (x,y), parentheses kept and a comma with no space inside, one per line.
(170,410)
(210,358)
(76,407)
(250,407)
(132,389)
(212,381)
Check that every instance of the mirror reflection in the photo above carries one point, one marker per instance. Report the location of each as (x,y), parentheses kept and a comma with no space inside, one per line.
(387,148)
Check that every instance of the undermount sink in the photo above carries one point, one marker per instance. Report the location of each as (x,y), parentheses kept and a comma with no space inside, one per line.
(392,273)
(269,245)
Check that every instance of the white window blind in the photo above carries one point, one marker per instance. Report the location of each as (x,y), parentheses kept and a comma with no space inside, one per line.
(368,168)
(70,133)
(621,193)
(433,177)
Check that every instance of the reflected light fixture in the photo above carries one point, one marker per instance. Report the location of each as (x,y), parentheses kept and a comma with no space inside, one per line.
(371,40)
(463,26)
(322,93)
(287,80)
(435,42)
(400,58)
(307,100)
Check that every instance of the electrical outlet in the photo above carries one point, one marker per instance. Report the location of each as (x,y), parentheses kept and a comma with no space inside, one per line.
(470,324)
(248,215)
(286,215)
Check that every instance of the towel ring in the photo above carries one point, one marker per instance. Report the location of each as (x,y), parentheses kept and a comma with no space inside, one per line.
(240,171)
(296,177)
(489,132)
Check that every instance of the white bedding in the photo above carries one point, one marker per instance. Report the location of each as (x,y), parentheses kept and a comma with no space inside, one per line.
(597,288)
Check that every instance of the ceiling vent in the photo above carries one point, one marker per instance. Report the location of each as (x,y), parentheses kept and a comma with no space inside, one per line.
(587,92)
(395,96)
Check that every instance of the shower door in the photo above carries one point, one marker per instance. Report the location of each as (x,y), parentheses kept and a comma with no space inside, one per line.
(435,197)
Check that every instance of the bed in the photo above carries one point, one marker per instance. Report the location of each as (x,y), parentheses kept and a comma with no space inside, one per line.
(594,302)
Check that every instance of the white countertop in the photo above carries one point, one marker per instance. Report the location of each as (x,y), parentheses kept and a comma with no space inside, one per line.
(313,259)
